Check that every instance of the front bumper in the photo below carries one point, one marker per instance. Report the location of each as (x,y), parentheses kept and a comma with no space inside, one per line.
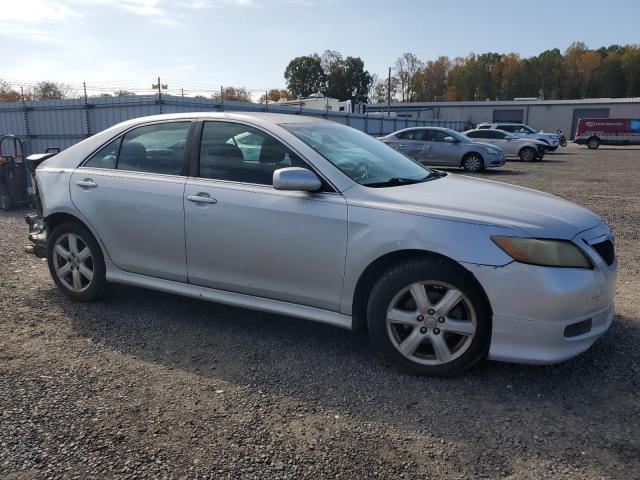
(545,315)
(493,161)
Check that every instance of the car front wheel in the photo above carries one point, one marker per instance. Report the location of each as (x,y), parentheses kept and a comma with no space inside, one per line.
(429,317)
(528,154)
(76,262)
(473,163)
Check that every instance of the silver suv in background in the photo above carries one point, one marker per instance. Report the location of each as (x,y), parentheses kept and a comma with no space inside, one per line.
(527,149)
(444,147)
(521,130)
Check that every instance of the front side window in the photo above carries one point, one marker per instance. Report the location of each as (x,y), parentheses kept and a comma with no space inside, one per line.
(240,153)
(360,156)
(157,148)
(438,135)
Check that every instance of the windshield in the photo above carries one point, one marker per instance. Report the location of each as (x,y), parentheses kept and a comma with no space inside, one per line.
(363,158)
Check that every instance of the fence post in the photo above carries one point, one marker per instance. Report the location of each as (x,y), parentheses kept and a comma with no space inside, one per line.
(160,95)
(366,123)
(26,120)
(86,109)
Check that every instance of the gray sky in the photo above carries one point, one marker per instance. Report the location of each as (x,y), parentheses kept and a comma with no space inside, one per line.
(203,44)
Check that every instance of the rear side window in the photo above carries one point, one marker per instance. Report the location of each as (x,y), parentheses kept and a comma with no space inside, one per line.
(408,135)
(107,156)
(155,148)
(477,134)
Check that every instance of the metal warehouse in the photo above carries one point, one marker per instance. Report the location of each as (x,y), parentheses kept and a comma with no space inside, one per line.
(548,115)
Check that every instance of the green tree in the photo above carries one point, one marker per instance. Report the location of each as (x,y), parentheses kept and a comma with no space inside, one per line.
(47,90)
(305,76)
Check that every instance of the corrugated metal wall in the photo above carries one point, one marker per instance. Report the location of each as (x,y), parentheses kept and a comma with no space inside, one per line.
(61,123)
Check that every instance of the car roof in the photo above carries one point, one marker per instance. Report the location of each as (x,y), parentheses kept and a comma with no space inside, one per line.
(277,118)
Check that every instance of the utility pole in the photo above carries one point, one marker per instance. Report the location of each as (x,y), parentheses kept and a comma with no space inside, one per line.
(266,100)
(389,93)
(182,92)
(221,97)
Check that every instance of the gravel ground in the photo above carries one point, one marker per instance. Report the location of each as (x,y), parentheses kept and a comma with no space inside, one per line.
(144,384)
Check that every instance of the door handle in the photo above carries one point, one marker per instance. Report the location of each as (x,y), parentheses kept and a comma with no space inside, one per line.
(201,198)
(86,183)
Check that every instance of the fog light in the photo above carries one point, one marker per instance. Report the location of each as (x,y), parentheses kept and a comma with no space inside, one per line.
(576,329)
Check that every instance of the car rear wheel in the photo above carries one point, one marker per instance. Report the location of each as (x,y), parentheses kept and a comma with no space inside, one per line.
(473,163)
(429,317)
(593,143)
(527,154)
(76,262)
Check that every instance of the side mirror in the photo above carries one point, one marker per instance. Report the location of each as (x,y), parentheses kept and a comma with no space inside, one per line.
(450,140)
(297,179)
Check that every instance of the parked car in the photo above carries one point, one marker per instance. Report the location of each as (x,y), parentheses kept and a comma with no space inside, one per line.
(444,147)
(331,225)
(594,132)
(521,130)
(526,148)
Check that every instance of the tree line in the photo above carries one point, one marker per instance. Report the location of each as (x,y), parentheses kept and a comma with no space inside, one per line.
(578,72)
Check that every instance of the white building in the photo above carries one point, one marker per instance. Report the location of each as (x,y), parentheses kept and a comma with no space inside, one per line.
(317,101)
(547,115)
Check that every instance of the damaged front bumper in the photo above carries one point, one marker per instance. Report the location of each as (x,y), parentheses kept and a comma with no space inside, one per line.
(38,235)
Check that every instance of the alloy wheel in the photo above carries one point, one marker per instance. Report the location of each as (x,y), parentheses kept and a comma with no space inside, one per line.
(472,163)
(431,322)
(73,262)
(528,154)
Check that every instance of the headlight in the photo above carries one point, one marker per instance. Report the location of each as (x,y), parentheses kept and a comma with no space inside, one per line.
(547,253)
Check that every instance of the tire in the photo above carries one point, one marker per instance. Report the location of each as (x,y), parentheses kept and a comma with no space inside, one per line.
(395,321)
(540,155)
(72,254)
(528,154)
(473,163)
(593,143)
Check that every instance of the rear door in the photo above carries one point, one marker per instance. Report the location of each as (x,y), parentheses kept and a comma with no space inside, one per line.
(406,143)
(130,191)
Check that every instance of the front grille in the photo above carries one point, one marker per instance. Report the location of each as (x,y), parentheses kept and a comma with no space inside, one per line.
(606,251)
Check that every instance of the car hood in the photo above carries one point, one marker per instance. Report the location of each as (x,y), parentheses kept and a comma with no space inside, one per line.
(461,198)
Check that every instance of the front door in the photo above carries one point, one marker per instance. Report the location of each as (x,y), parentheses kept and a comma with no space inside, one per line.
(441,152)
(246,237)
(131,193)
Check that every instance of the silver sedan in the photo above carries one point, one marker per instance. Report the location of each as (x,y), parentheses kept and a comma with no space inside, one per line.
(318,221)
(445,147)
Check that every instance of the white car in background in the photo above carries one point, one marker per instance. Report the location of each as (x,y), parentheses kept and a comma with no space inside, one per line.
(551,140)
(527,149)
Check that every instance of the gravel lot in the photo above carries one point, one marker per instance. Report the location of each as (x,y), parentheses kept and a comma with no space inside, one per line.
(143,384)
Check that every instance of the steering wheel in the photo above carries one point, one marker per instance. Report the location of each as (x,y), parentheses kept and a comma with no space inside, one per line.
(360,172)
